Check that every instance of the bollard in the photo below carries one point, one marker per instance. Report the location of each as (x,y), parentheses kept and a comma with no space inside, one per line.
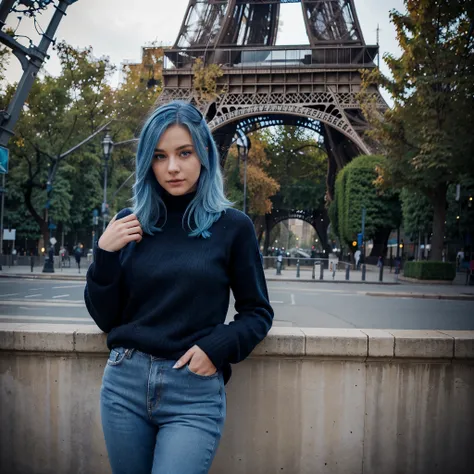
(298,268)
(348,271)
(381,273)
(321,271)
(313,276)
(278,268)
(32,263)
(363,272)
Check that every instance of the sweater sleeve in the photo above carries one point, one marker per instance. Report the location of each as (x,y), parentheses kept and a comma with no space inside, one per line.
(235,341)
(104,292)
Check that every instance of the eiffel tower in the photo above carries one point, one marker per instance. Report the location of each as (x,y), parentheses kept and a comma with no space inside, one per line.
(313,86)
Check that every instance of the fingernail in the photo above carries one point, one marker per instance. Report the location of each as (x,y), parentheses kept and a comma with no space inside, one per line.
(175,366)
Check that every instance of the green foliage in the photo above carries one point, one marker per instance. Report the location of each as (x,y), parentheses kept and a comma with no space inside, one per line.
(299,165)
(427,136)
(334,219)
(205,81)
(430,270)
(355,189)
(417,213)
(61,112)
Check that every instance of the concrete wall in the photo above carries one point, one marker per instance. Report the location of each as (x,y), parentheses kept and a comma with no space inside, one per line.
(307,401)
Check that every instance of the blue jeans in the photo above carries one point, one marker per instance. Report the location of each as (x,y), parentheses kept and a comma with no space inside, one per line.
(159,420)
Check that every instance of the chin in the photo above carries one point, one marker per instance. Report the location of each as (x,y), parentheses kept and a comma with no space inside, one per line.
(179,191)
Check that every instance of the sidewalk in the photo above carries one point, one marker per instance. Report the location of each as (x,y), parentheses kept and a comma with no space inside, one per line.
(23,271)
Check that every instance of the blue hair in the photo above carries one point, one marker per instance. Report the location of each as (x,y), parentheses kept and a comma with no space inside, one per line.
(209,202)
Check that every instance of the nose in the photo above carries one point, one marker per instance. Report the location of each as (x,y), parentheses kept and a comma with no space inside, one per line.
(173,165)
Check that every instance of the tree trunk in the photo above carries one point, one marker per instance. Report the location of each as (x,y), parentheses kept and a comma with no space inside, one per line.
(258,223)
(322,230)
(380,243)
(268,229)
(42,223)
(439,222)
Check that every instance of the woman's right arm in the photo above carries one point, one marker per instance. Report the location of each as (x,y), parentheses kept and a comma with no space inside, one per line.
(104,292)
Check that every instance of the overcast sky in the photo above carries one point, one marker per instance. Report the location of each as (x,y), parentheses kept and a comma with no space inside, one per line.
(119,28)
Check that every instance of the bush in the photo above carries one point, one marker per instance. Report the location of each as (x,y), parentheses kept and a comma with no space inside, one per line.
(430,270)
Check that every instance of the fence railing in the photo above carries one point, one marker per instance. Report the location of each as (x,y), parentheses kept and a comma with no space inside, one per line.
(273,57)
(321,268)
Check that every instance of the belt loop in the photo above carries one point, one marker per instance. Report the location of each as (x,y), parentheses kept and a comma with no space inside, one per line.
(129,353)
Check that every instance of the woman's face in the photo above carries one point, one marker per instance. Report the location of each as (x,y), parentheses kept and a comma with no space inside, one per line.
(175,163)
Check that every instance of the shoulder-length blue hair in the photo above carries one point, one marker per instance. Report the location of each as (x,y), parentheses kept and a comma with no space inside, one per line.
(209,202)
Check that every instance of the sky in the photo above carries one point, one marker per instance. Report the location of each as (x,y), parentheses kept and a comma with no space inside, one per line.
(119,28)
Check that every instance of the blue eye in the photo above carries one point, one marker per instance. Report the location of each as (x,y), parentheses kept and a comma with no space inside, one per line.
(185,154)
(159,157)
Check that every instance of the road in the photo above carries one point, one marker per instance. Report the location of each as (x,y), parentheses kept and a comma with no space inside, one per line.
(295,303)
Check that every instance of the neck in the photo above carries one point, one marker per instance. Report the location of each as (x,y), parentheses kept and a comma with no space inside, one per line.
(177,204)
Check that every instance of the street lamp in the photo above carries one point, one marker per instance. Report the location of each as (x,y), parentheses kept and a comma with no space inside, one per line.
(243,147)
(107,145)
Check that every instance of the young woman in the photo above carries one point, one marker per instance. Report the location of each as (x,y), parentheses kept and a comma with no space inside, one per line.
(159,285)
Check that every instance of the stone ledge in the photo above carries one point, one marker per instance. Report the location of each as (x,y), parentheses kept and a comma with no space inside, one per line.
(463,343)
(335,342)
(281,341)
(423,344)
(381,343)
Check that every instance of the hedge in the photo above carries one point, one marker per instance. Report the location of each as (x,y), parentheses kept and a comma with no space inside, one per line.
(430,270)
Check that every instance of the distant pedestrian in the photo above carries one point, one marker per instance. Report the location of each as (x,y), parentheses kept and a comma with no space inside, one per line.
(357,258)
(77,256)
(460,259)
(380,262)
(279,262)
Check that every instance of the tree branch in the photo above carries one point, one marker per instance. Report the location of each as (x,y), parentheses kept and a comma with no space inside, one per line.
(88,139)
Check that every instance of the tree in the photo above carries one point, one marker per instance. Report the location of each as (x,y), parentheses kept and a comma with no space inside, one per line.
(417,213)
(299,165)
(205,81)
(355,189)
(427,136)
(260,186)
(132,101)
(60,113)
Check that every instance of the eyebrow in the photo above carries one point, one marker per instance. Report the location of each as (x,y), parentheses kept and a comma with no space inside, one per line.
(177,149)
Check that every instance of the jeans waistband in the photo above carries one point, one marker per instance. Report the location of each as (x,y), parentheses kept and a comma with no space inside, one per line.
(129,353)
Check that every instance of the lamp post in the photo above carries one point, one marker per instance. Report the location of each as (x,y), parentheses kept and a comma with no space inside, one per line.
(243,147)
(107,145)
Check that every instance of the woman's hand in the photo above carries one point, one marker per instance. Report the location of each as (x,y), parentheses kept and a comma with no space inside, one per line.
(121,232)
(198,361)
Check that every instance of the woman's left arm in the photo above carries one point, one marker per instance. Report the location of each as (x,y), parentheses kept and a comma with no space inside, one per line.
(235,341)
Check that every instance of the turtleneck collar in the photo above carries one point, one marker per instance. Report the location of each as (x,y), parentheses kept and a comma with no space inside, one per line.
(177,204)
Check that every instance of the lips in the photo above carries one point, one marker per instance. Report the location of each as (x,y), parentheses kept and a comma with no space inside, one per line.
(174,181)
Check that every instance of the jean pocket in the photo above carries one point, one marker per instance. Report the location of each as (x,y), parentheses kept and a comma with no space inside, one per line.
(189,371)
(117,355)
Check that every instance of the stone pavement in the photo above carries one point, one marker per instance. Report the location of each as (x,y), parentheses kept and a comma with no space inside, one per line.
(23,271)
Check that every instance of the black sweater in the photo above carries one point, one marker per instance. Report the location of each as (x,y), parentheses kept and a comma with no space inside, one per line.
(171,291)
